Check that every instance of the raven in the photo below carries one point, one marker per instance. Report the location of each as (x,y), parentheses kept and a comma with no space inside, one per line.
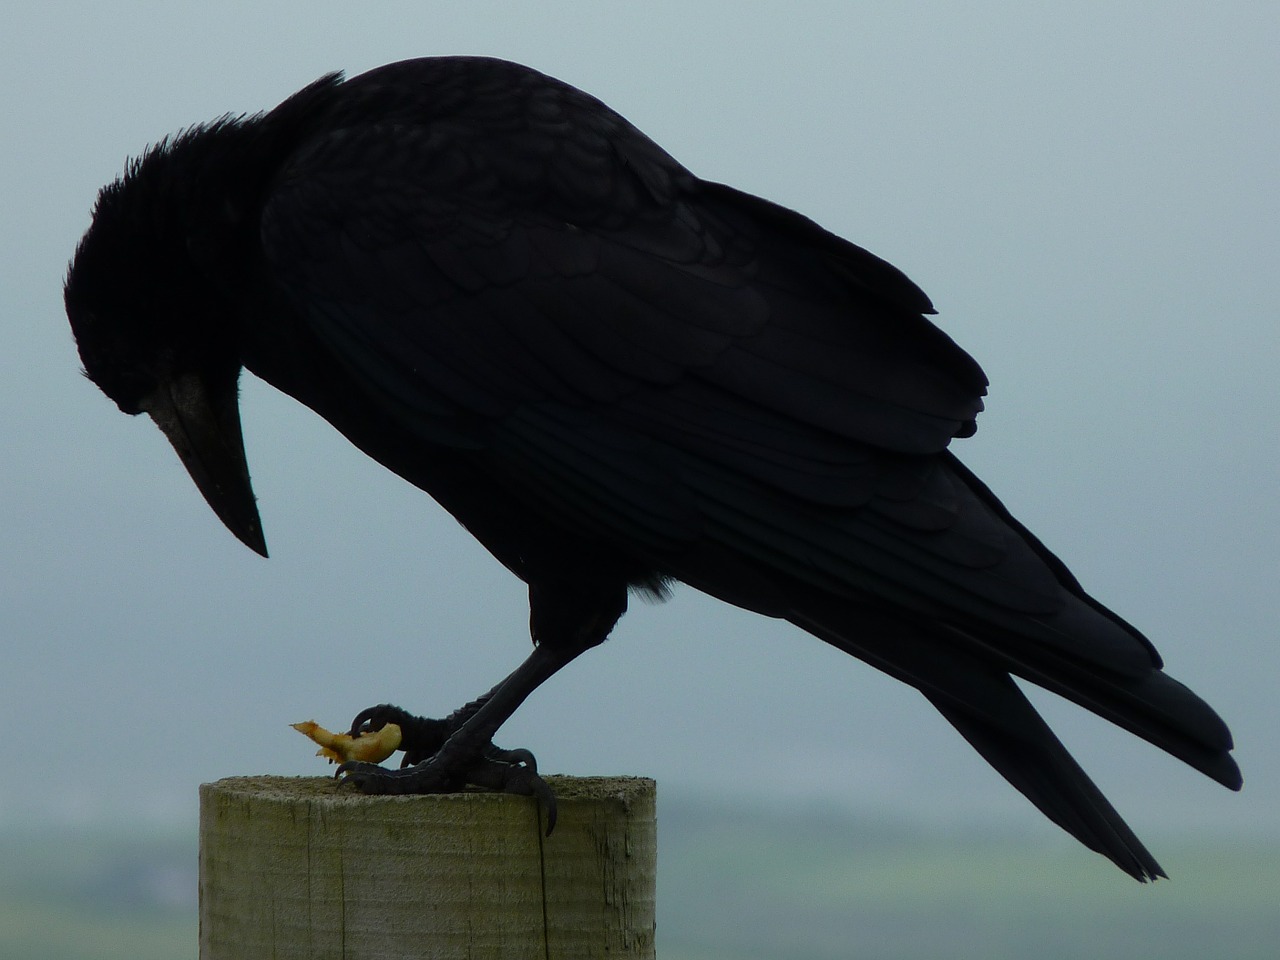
(616,376)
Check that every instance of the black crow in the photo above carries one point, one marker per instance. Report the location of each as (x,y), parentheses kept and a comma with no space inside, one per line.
(616,376)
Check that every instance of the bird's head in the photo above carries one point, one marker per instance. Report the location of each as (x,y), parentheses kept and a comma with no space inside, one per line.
(153,335)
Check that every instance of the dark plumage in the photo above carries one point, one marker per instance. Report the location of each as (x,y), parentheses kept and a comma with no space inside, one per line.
(615,375)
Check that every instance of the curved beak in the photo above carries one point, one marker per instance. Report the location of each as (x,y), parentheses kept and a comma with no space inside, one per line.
(203,424)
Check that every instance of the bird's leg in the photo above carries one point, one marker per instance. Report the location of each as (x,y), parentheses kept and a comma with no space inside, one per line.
(445,755)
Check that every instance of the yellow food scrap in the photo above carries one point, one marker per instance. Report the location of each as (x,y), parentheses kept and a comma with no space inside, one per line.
(371,746)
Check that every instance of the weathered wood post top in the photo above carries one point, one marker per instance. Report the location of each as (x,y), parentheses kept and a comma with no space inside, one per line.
(294,868)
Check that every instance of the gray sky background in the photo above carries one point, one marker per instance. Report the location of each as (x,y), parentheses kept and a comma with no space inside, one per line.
(1088,193)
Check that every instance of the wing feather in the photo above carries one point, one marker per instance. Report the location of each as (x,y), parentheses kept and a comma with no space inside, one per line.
(654,359)
(712,385)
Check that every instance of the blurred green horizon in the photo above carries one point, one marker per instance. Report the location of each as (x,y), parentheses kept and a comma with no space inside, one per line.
(781,882)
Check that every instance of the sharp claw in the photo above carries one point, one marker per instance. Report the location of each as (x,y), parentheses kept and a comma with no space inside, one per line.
(510,771)
(421,737)
(348,772)
(496,774)
(533,785)
(548,799)
(517,756)
(382,714)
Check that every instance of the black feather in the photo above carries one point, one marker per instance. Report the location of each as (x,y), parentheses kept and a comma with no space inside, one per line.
(614,374)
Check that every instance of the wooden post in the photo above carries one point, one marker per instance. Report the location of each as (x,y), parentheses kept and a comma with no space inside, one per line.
(293,868)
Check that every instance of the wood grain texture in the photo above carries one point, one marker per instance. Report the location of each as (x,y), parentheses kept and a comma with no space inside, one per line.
(292,868)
